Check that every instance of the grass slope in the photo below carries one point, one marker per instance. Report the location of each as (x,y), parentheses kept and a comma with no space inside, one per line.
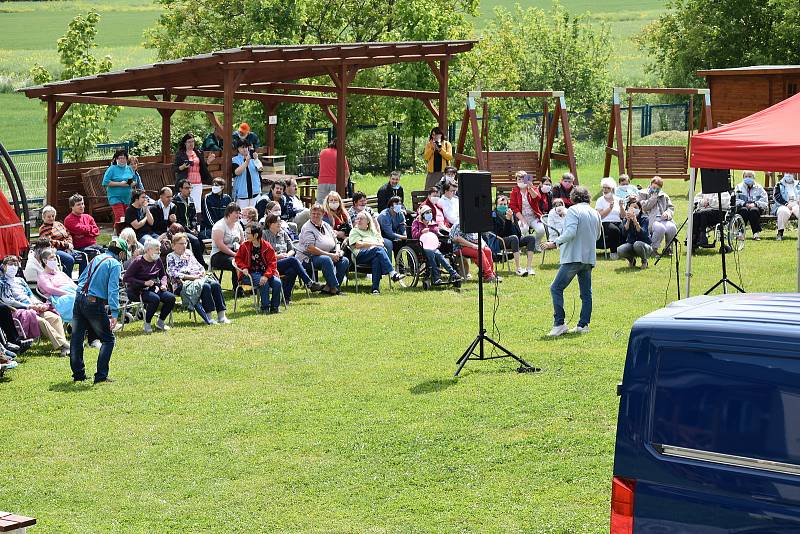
(341,415)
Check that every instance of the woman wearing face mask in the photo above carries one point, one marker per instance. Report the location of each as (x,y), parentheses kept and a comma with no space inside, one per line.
(525,207)
(612,213)
(544,199)
(636,235)
(273,208)
(134,247)
(508,231)
(146,279)
(247,175)
(556,217)
(249,217)
(214,205)
(336,215)
(118,179)
(56,286)
(432,201)
(751,202)
(192,166)
(434,259)
(197,291)
(392,221)
(288,265)
(564,188)
(787,202)
(36,317)
(657,205)
(367,245)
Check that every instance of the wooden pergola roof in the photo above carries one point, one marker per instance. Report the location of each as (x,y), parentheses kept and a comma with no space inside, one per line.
(256,73)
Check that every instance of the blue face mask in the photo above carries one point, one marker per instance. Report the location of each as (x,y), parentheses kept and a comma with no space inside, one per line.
(749,182)
(396,186)
(428,217)
(655,189)
(398,208)
(501,210)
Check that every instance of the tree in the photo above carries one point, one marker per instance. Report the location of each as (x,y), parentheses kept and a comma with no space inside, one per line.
(83,126)
(697,34)
(530,49)
(189,27)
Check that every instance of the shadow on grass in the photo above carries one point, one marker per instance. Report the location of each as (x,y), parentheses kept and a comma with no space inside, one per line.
(433,385)
(68,386)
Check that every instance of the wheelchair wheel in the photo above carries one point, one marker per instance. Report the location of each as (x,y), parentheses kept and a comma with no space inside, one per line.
(407,264)
(736,232)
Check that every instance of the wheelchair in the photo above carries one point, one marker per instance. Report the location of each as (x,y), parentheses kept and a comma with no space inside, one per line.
(412,262)
(731,230)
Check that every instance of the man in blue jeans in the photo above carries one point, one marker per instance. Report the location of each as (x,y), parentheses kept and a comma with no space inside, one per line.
(98,286)
(576,246)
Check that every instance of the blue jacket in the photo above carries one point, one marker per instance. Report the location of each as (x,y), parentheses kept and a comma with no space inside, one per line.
(251,173)
(781,194)
(393,225)
(631,236)
(214,209)
(105,280)
(757,195)
(581,232)
(120,194)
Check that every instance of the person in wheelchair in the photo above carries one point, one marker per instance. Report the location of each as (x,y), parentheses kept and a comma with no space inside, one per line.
(368,249)
(751,202)
(431,246)
(707,214)
(507,236)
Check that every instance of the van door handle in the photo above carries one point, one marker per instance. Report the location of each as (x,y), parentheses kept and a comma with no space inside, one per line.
(619,389)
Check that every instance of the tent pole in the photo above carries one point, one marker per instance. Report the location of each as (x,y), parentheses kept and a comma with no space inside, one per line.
(692,180)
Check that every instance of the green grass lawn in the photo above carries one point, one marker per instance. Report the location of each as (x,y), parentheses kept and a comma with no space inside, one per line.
(341,415)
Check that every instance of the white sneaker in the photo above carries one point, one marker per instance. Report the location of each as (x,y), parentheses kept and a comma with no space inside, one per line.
(148,328)
(756,237)
(614,256)
(531,272)
(212,322)
(580,330)
(522,272)
(223,320)
(558,330)
(161,326)
(779,237)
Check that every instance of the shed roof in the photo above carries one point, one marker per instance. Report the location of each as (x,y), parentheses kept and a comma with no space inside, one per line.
(751,70)
(259,63)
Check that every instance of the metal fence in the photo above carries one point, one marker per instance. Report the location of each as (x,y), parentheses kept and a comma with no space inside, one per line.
(31,165)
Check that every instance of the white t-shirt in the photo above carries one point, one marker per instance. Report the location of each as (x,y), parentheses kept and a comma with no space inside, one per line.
(229,235)
(449,208)
(527,209)
(613,215)
(556,223)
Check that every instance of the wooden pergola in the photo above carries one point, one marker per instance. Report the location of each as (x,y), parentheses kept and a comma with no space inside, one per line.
(262,73)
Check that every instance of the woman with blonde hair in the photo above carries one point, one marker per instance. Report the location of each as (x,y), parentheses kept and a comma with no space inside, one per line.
(335,215)
(189,279)
(134,247)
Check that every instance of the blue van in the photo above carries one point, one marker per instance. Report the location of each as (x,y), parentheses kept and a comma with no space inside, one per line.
(708,436)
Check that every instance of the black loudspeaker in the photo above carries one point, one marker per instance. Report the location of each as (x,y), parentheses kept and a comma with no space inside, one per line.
(475,201)
(715,180)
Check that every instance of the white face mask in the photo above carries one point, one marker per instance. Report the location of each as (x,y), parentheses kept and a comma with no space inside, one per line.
(11,270)
(545,188)
(277,213)
(608,194)
(636,212)
(216,189)
(522,185)
(52,264)
(333,205)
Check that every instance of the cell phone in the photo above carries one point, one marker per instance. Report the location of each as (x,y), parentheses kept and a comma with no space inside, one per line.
(129,180)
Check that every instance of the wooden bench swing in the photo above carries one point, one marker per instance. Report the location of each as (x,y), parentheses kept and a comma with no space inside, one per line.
(503,164)
(646,161)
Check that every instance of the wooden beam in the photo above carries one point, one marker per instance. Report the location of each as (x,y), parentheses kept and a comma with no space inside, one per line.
(432,109)
(483,165)
(227,127)
(104,101)
(262,97)
(369,91)
(327,110)
(462,139)
(443,78)
(270,108)
(215,123)
(52,176)
(436,72)
(63,109)
(166,128)
(561,108)
(518,94)
(664,90)
(341,129)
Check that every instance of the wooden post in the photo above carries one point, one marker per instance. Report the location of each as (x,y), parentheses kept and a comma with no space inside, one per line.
(166,131)
(227,126)
(573,168)
(618,132)
(443,82)
(52,177)
(270,109)
(341,128)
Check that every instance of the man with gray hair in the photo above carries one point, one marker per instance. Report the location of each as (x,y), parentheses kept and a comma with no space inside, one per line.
(576,246)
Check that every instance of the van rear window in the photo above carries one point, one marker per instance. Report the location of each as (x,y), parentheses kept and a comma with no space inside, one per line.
(740,404)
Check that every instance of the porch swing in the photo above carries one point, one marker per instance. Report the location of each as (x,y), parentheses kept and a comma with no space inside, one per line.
(503,164)
(646,161)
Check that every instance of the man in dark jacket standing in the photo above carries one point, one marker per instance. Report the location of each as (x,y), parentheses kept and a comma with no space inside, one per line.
(390,189)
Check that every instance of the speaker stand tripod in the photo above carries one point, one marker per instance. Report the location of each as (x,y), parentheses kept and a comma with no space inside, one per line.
(724,281)
(481,338)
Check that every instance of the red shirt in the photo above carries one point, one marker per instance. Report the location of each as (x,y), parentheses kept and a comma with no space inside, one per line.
(83,229)
(327,166)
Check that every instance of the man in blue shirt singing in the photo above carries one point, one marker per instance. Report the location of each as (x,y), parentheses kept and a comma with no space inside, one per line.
(98,286)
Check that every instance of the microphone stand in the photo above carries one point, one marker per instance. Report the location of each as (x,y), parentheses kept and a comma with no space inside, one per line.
(675,244)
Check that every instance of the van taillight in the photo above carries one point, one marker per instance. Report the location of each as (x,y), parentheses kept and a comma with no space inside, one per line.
(622,492)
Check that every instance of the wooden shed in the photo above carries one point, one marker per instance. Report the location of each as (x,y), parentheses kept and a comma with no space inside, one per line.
(742,91)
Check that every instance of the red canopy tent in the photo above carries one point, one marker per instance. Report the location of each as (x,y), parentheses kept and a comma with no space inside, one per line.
(768,140)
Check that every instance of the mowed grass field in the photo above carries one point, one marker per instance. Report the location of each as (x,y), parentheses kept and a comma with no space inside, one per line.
(341,415)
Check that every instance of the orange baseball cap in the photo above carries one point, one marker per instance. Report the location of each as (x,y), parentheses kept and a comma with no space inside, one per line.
(244,128)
